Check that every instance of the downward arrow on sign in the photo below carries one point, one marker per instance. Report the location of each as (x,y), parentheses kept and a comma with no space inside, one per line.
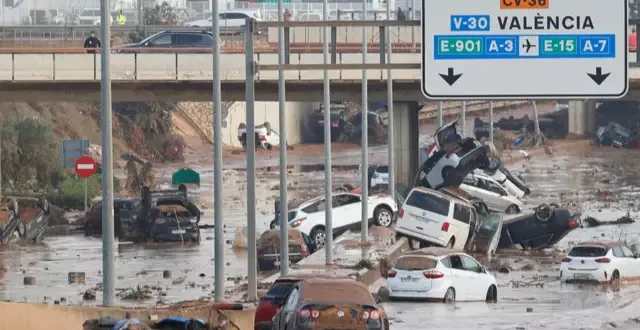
(598,77)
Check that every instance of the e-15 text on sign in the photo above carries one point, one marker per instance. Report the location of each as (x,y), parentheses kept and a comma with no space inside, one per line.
(539,49)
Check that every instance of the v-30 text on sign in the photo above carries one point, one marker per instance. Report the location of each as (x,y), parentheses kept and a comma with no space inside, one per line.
(506,49)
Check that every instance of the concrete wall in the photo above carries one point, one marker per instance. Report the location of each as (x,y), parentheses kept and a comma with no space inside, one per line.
(582,117)
(201,114)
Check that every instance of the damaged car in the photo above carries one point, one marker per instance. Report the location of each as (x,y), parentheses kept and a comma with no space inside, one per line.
(614,135)
(496,197)
(300,247)
(452,159)
(338,117)
(266,138)
(309,217)
(23,219)
(543,228)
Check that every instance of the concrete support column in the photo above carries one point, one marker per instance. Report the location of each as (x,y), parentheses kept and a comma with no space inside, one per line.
(582,117)
(405,130)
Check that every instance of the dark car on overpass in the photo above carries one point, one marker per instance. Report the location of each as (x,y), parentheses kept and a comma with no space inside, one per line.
(171,42)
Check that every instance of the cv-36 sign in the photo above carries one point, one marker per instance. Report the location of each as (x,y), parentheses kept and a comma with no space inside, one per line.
(494,49)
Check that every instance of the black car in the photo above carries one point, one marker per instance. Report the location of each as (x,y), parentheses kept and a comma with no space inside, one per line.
(545,227)
(373,121)
(171,42)
(614,135)
(173,223)
(338,115)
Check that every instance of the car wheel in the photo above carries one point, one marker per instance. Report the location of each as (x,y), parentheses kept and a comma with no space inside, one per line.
(492,294)
(272,224)
(449,296)
(512,209)
(21,229)
(451,243)
(543,213)
(383,217)
(615,278)
(319,237)
(268,146)
(414,244)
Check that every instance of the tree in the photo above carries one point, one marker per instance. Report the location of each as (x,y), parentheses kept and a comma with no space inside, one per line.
(30,155)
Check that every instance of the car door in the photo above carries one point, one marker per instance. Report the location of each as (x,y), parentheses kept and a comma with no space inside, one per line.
(288,309)
(620,262)
(490,195)
(160,44)
(348,211)
(487,236)
(477,278)
(461,279)
(634,263)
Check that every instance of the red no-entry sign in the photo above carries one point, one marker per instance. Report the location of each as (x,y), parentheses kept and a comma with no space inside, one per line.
(85,166)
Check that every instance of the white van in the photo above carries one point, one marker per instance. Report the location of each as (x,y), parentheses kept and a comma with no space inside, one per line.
(429,217)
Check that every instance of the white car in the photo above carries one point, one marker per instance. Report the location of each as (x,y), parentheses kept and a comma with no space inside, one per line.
(309,216)
(599,262)
(495,196)
(91,16)
(265,136)
(430,217)
(234,19)
(441,274)
(454,158)
(378,175)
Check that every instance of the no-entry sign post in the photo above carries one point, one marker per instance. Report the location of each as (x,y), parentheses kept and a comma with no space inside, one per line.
(534,49)
(85,167)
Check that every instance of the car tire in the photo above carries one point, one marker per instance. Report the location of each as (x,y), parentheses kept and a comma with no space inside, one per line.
(319,237)
(615,278)
(512,209)
(272,224)
(268,146)
(383,216)
(451,244)
(543,213)
(21,229)
(492,294)
(449,296)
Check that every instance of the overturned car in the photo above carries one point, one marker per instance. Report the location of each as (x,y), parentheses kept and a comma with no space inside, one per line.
(23,219)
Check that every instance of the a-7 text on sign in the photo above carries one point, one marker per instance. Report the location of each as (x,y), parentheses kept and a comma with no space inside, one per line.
(538,49)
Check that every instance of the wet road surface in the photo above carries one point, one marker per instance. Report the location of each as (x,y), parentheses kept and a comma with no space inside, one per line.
(555,305)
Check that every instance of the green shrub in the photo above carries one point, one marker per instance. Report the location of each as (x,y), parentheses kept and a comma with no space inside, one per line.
(70,193)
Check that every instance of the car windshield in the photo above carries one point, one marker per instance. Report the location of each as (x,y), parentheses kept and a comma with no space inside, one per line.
(429,202)
(588,251)
(415,263)
(281,289)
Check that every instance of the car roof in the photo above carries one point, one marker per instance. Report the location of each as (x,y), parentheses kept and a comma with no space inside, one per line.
(605,244)
(438,252)
(443,195)
(351,291)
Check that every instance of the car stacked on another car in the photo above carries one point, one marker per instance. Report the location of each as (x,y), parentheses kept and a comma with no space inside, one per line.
(440,274)
(377,175)
(309,217)
(492,193)
(321,303)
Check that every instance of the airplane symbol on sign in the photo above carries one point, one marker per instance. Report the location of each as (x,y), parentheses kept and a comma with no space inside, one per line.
(528,46)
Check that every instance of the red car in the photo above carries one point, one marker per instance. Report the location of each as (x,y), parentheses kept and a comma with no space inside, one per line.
(274,299)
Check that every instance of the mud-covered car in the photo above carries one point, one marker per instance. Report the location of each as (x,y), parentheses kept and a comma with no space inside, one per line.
(173,223)
(330,304)
(544,227)
(453,159)
(93,216)
(300,247)
(23,219)
(614,135)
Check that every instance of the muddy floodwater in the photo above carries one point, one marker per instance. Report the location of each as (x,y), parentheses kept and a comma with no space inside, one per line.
(535,299)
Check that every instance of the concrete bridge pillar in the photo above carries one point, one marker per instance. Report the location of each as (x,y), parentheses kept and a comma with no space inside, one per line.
(582,117)
(405,130)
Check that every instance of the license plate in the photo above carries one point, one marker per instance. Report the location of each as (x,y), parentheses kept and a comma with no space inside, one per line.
(423,219)
(408,279)
(179,231)
(581,276)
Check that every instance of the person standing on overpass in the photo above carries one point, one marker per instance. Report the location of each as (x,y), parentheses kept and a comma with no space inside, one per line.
(92,43)
(121,19)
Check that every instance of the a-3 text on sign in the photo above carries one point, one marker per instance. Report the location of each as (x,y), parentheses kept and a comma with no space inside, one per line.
(501,49)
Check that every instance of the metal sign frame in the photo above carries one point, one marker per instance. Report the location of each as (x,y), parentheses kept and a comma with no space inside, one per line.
(71,150)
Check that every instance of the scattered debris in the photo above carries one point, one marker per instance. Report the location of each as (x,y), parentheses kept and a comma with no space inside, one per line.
(364,264)
(29,280)
(137,293)
(76,277)
(90,294)
(593,222)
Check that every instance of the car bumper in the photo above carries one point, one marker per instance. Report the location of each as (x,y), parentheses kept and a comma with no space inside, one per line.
(415,294)
(176,237)
(419,236)
(598,275)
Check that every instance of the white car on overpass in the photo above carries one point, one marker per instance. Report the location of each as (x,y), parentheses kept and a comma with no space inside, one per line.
(308,217)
